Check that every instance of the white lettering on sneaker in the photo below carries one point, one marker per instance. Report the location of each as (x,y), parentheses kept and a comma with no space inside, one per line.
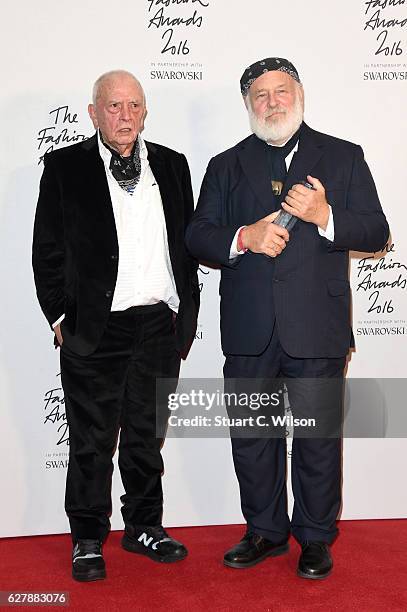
(155,545)
(146,540)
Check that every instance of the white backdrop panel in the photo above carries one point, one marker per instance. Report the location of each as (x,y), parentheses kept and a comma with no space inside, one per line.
(355,88)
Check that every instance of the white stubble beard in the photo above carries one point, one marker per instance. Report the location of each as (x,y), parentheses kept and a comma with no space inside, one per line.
(283,129)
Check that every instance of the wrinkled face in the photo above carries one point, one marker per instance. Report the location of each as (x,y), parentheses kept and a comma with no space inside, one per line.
(119,112)
(275,104)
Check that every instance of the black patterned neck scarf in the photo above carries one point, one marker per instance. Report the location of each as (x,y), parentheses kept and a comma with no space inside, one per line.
(276,160)
(126,170)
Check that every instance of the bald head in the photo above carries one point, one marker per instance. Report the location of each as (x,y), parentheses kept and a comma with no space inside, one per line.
(104,79)
(118,109)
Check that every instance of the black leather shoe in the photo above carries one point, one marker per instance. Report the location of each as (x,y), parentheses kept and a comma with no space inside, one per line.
(315,561)
(154,542)
(252,549)
(87,561)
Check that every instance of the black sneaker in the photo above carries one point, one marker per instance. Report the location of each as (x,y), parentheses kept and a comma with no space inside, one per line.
(154,542)
(87,561)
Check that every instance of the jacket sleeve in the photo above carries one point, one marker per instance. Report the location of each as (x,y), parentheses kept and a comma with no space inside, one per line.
(48,246)
(361,226)
(207,238)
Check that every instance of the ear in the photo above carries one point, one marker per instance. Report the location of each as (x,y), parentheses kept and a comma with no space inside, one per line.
(301,94)
(92,115)
(143,119)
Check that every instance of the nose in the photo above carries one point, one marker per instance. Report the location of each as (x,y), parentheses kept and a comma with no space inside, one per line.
(125,112)
(271,99)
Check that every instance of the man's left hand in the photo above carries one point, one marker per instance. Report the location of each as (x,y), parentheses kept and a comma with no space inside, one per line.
(310,205)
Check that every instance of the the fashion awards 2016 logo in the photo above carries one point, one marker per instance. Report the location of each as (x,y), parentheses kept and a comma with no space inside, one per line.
(176,25)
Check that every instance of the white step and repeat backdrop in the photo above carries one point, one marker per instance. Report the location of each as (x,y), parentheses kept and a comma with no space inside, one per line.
(189,55)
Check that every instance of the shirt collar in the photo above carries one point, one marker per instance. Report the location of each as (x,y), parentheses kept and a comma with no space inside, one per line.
(295,149)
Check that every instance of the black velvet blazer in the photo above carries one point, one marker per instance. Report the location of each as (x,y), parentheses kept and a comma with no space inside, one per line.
(75,247)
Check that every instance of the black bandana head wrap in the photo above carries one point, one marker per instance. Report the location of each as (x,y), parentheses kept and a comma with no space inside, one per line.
(268,64)
(126,170)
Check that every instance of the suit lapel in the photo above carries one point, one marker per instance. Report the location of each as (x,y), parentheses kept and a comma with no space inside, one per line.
(308,155)
(95,174)
(253,160)
(160,171)
(97,191)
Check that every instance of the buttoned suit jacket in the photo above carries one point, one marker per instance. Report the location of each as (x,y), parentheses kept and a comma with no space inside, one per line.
(305,290)
(75,247)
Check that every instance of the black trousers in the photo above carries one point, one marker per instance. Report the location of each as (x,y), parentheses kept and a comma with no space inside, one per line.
(110,391)
(260,463)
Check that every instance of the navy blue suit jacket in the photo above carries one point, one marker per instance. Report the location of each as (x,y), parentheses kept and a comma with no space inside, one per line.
(305,290)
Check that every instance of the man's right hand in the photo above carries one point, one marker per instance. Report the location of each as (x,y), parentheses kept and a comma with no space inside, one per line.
(58,333)
(265,237)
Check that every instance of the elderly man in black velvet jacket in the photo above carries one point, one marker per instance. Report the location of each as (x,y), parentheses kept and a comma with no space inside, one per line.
(118,287)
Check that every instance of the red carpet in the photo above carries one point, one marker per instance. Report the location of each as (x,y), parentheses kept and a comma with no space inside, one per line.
(370,574)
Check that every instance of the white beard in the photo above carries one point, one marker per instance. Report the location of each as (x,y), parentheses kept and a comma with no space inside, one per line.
(282,129)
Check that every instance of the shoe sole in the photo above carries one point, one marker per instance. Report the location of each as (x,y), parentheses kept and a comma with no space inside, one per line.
(311,577)
(136,549)
(90,576)
(276,552)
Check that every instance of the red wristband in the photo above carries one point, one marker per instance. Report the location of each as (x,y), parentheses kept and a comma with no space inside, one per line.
(239,245)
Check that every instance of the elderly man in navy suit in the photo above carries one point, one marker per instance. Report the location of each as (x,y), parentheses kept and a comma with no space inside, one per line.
(285,299)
